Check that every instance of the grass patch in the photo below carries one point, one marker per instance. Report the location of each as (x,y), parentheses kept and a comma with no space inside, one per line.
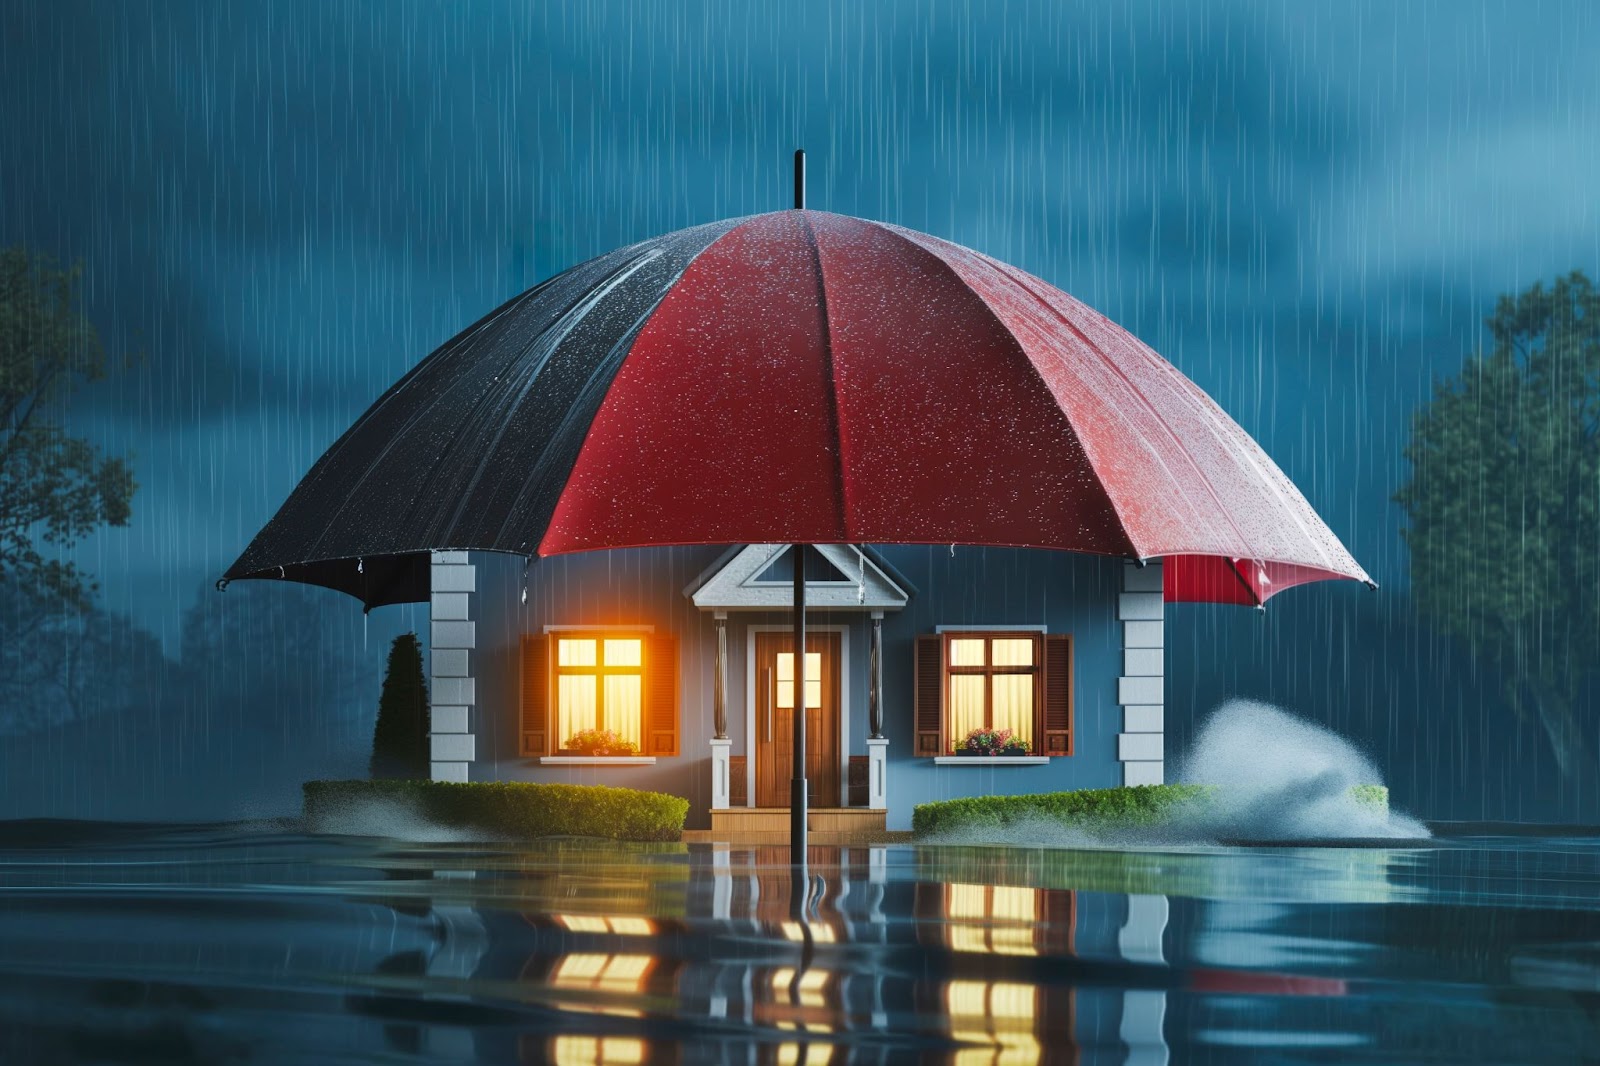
(1089,808)
(512,808)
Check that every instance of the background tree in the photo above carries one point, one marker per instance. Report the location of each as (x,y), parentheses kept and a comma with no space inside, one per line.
(54,488)
(400,739)
(1503,503)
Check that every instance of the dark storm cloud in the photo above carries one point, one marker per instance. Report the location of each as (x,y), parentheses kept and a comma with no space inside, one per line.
(285,205)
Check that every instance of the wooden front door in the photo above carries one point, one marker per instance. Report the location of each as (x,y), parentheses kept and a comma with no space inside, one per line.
(775,700)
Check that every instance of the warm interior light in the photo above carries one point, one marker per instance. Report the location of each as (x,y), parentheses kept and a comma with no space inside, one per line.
(785,680)
(600,685)
(590,1050)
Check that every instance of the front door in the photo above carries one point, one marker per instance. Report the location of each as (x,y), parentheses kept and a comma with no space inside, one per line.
(775,701)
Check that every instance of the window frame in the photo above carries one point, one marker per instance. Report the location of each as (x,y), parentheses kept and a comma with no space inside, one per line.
(988,636)
(599,671)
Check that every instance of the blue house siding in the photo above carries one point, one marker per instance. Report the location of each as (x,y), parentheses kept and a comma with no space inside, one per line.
(641,586)
(1066,593)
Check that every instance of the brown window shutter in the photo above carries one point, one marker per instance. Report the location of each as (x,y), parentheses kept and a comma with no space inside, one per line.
(1056,727)
(535,693)
(929,680)
(661,696)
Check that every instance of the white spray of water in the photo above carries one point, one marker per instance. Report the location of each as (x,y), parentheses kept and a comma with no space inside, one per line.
(1276,777)
(1279,777)
(390,818)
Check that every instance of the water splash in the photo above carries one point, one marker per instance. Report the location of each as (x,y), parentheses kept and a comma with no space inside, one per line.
(1280,777)
(392,819)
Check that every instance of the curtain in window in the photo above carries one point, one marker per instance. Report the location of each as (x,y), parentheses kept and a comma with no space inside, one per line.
(1013,704)
(576,704)
(966,705)
(624,707)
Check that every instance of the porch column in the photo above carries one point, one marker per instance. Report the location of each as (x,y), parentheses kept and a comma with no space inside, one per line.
(721,746)
(877,744)
(719,680)
(452,693)
(1141,690)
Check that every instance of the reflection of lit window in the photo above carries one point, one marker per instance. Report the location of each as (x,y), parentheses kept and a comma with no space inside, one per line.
(996,1014)
(822,934)
(608,973)
(815,1055)
(600,685)
(586,1050)
(590,923)
(812,982)
(998,919)
(992,682)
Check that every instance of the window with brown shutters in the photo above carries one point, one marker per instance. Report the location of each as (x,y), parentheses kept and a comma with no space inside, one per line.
(1056,727)
(535,693)
(586,681)
(661,695)
(929,682)
(989,679)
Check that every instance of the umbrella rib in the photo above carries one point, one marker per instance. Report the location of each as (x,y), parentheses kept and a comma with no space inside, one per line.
(1255,596)
(1134,550)
(1183,448)
(568,322)
(841,490)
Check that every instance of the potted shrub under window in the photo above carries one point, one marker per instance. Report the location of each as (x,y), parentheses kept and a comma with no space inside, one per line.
(600,742)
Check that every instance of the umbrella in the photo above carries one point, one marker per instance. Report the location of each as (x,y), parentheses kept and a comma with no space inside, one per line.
(803,377)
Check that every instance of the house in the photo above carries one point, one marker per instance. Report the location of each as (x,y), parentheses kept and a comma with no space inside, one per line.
(1063,649)
(807,377)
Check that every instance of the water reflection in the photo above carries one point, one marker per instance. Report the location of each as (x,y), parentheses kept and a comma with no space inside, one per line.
(191,944)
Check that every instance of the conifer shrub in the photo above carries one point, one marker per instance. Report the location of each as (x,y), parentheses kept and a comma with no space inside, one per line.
(516,809)
(400,738)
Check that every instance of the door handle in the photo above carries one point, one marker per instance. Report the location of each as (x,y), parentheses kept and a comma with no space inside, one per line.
(766,689)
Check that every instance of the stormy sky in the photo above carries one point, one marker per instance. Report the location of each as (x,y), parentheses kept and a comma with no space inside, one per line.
(281,206)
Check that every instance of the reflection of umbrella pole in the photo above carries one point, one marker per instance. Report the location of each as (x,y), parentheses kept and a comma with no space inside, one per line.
(797,753)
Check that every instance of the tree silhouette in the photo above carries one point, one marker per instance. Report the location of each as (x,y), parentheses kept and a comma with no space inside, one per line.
(400,739)
(1504,504)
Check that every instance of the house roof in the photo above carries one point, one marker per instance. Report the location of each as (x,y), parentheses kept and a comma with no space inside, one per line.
(734,580)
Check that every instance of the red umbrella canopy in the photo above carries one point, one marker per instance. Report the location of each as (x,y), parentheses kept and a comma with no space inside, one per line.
(798,376)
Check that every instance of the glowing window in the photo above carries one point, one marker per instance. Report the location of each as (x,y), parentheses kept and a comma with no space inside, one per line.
(786,679)
(600,686)
(992,682)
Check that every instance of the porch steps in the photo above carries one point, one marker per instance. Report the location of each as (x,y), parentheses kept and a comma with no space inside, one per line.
(770,825)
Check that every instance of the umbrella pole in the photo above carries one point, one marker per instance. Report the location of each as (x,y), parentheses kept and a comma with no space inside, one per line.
(797,784)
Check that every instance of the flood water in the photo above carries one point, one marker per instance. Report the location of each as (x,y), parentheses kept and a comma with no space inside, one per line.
(262,943)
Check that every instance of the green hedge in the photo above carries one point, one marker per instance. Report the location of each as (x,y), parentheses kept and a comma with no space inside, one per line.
(513,808)
(1105,808)
(1376,796)
(1135,805)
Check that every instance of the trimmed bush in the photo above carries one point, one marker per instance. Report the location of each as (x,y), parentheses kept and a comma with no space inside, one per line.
(1134,805)
(1374,796)
(512,808)
(1090,808)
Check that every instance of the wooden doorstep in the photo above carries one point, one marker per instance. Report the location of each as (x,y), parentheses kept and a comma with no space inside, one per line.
(770,825)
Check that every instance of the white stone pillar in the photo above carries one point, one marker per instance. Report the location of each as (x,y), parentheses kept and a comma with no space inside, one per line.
(1141,690)
(720,785)
(452,693)
(877,775)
